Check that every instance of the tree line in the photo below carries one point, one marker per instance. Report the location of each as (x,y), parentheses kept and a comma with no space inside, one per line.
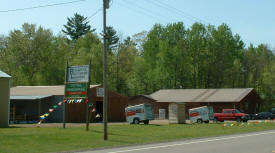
(168,56)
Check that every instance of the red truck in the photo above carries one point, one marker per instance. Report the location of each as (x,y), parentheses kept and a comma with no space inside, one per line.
(230,114)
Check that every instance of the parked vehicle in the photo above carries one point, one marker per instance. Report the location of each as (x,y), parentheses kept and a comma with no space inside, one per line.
(262,115)
(139,113)
(201,114)
(273,110)
(230,114)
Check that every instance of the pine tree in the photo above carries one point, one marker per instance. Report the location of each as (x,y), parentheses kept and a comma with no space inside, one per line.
(77,26)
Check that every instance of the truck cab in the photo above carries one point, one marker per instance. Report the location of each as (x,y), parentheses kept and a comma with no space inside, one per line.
(230,114)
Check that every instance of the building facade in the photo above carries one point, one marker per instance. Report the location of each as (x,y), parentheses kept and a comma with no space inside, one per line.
(29,102)
(4,99)
(244,99)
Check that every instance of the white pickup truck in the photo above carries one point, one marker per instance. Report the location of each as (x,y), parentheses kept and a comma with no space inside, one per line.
(201,114)
(139,113)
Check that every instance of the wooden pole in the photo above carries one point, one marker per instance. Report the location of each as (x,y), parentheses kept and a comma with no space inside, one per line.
(39,109)
(87,116)
(105,98)
(13,112)
(64,104)
(88,94)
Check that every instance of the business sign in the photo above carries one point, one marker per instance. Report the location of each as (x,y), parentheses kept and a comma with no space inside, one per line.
(100,92)
(76,90)
(78,73)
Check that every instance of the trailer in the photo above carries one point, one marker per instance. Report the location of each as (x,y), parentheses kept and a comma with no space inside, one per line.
(201,114)
(139,113)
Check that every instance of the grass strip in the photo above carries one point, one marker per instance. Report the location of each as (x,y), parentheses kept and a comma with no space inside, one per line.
(38,140)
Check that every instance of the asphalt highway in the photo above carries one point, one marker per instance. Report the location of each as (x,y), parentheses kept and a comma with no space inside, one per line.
(256,142)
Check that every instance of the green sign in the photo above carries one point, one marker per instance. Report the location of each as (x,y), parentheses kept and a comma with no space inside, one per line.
(76,90)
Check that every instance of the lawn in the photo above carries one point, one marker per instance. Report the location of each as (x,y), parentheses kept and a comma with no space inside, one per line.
(35,140)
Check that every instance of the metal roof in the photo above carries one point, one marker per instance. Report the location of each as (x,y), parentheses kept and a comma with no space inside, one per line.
(29,97)
(4,75)
(201,95)
(39,90)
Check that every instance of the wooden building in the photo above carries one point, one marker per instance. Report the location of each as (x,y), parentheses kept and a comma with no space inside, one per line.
(244,99)
(116,107)
(141,99)
(4,99)
(29,102)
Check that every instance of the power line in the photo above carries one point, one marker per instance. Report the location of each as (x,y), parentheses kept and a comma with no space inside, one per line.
(95,13)
(170,9)
(41,6)
(176,10)
(137,10)
(152,12)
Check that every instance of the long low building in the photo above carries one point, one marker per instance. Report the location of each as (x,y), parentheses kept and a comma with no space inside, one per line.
(29,102)
(244,99)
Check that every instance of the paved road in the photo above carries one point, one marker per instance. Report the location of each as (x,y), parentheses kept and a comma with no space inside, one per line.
(257,142)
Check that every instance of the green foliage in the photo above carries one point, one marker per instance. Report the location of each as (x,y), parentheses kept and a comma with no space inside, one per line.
(89,47)
(33,57)
(111,38)
(168,56)
(77,26)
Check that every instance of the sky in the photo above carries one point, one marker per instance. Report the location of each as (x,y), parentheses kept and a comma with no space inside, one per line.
(253,20)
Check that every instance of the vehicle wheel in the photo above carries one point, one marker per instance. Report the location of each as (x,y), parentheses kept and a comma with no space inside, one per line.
(206,121)
(136,121)
(238,119)
(199,121)
(269,118)
(146,122)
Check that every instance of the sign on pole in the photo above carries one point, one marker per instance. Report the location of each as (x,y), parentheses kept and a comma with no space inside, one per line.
(100,92)
(76,90)
(77,84)
(78,73)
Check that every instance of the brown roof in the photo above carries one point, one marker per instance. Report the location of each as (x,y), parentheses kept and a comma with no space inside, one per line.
(201,95)
(145,96)
(39,90)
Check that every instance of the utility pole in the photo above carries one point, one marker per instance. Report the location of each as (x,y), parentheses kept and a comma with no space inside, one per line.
(105,98)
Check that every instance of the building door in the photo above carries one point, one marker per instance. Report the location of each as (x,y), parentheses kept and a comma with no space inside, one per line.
(99,110)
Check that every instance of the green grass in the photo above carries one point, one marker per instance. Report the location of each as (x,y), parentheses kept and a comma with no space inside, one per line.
(30,140)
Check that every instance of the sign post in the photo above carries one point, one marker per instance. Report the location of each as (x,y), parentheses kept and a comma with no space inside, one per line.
(64,104)
(87,104)
(76,90)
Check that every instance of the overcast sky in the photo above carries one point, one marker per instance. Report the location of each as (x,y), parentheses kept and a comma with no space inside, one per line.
(253,20)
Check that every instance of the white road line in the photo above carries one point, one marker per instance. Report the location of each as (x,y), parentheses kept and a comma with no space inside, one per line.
(193,142)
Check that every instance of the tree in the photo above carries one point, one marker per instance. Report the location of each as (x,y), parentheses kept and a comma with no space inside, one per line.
(25,52)
(139,39)
(112,38)
(89,47)
(77,26)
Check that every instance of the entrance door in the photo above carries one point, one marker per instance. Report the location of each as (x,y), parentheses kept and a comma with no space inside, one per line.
(99,110)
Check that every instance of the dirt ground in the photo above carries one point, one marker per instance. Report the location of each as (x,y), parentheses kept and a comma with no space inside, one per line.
(71,125)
